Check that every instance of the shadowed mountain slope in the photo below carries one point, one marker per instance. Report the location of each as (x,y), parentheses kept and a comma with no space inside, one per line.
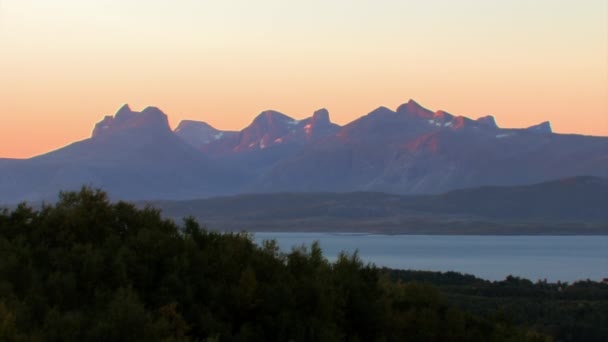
(132,155)
(573,206)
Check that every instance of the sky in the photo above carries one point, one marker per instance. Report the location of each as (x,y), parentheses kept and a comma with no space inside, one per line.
(64,64)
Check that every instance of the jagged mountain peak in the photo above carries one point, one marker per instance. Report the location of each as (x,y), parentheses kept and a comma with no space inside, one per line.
(124,110)
(265,129)
(412,104)
(319,125)
(125,119)
(152,110)
(381,111)
(443,118)
(543,127)
(321,116)
(271,120)
(442,113)
(272,116)
(188,124)
(198,133)
(413,108)
(487,121)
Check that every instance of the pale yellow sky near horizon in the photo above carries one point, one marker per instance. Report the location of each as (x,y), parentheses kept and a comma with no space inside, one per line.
(66,63)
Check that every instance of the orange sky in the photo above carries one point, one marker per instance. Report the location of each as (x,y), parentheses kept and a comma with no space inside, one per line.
(66,63)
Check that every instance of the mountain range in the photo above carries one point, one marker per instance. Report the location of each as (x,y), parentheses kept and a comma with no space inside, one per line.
(411,150)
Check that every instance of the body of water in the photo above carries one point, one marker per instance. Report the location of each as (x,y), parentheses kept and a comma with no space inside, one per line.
(563,258)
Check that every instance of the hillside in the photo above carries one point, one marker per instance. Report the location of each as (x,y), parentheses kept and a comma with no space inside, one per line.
(97,271)
(568,206)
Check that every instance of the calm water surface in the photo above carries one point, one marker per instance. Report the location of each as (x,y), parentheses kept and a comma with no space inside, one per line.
(564,258)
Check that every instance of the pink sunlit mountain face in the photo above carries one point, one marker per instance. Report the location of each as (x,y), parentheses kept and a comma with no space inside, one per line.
(150,120)
(269,129)
(410,150)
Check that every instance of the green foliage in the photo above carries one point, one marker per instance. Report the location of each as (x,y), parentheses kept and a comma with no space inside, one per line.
(86,269)
(567,312)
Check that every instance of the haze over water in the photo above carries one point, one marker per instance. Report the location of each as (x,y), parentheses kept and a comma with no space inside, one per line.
(555,258)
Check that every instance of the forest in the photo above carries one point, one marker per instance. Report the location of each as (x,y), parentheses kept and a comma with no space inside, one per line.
(566,312)
(88,269)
